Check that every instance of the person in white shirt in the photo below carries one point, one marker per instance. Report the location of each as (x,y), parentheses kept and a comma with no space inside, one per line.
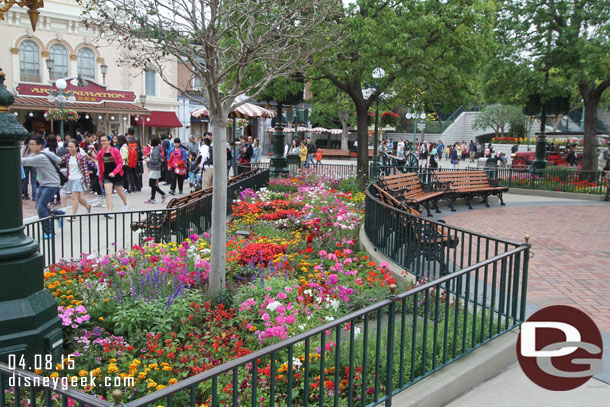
(206,164)
(400,148)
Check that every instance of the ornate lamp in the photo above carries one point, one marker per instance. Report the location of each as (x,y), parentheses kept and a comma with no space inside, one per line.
(28,313)
(33,6)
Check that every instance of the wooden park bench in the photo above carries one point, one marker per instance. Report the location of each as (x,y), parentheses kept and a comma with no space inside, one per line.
(468,184)
(334,153)
(426,238)
(406,187)
(160,225)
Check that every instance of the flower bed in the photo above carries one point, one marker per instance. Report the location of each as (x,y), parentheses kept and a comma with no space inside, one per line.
(144,313)
(563,180)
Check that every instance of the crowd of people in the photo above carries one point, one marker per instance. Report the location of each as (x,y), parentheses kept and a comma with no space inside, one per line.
(306,150)
(431,153)
(54,169)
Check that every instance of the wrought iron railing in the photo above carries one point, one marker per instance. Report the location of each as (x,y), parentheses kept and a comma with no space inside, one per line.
(368,356)
(427,249)
(336,170)
(97,233)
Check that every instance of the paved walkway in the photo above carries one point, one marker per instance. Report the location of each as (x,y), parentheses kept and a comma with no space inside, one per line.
(513,388)
(571,252)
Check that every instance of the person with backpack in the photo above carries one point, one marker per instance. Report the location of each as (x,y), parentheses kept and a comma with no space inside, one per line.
(155,161)
(318,156)
(133,156)
(166,146)
(245,155)
(48,177)
(110,172)
(176,164)
(207,163)
(78,177)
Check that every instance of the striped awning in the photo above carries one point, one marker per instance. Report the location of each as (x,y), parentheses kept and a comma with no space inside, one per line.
(291,130)
(245,111)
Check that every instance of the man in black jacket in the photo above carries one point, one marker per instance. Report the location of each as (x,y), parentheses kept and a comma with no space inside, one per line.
(311,149)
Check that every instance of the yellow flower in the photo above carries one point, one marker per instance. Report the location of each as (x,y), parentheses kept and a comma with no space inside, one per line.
(173,380)
(112,368)
(83,373)
(160,387)
(167,368)
(101,318)
(54,374)
(151,384)
(38,371)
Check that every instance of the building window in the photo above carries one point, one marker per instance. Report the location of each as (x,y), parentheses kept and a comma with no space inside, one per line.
(29,61)
(197,84)
(59,55)
(150,82)
(86,63)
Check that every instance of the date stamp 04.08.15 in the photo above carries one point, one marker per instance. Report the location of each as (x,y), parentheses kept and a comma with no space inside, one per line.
(47,373)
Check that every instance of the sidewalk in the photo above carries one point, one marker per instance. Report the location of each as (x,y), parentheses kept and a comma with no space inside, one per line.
(512,388)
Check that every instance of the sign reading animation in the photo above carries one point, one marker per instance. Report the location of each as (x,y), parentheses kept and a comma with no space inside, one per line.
(90,93)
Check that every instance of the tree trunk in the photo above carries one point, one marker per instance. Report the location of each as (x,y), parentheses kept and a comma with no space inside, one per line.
(217,278)
(344,136)
(343,118)
(362,118)
(589,160)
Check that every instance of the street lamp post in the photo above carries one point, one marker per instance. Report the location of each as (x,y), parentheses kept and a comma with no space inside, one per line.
(143,102)
(60,96)
(415,116)
(29,324)
(378,73)
(104,70)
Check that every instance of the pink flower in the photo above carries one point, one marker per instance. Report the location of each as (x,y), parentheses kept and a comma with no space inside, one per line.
(333,279)
(281,295)
(266,317)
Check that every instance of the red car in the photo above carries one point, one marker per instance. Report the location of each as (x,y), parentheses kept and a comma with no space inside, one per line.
(522,159)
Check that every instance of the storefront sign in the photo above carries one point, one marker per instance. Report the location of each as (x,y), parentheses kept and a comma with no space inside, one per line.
(91,93)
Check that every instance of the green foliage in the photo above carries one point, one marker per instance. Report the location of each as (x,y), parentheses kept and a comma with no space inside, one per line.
(499,117)
(351,184)
(565,41)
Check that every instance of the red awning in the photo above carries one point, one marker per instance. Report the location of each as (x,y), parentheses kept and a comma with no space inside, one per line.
(158,119)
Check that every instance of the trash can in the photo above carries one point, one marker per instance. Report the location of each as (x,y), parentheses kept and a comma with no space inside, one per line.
(491,166)
(294,163)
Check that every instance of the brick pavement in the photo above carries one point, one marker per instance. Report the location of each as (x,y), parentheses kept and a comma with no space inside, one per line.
(571,246)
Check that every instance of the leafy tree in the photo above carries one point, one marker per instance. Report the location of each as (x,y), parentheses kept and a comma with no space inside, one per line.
(500,118)
(235,47)
(421,41)
(332,108)
(569,38)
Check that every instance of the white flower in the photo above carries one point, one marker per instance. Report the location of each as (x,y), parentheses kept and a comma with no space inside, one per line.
(273,305)
(308,292)
(329,318)
(296,362)
(302,327)
(335,304)
(356,332)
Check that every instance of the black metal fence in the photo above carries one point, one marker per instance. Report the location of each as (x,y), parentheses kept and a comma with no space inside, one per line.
(366,357)
(334,170)
(99,234)
(427,249)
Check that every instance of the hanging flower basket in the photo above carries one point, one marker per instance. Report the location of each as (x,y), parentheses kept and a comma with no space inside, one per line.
(240,123)
(389,119)
(67,115)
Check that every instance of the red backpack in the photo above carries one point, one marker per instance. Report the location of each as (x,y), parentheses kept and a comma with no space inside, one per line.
(132,159)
